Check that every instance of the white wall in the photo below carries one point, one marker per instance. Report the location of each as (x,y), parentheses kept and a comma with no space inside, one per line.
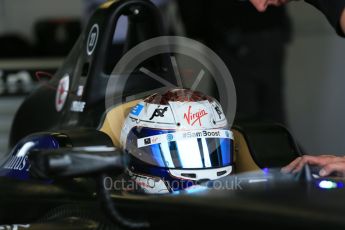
(315,84)
(20,15)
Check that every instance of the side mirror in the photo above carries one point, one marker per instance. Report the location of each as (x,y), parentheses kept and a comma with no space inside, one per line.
(75,162)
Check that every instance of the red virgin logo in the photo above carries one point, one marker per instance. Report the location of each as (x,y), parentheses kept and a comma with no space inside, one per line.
(192,118)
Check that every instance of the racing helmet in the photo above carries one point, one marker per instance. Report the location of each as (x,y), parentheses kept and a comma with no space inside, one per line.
(176,139)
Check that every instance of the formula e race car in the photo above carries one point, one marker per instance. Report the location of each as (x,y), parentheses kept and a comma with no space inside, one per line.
(70,168)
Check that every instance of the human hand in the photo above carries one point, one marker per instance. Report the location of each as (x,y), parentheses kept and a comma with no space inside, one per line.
(261,5)
(329,164)
(342,21)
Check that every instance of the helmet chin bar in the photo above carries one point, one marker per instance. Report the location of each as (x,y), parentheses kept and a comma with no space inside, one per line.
(201,174)
(175,179)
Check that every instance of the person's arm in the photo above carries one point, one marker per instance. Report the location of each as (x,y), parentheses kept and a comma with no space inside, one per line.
(334,10)
(261,5)
(342,21)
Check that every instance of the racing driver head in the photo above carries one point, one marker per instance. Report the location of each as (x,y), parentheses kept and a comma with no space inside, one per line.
(175,139)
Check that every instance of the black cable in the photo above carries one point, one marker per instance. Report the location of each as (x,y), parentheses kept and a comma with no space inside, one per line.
(110,210)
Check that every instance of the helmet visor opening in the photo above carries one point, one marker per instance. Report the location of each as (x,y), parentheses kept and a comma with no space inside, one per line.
(182,150)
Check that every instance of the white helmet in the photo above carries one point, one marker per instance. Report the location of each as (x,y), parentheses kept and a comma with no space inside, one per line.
(176,139)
